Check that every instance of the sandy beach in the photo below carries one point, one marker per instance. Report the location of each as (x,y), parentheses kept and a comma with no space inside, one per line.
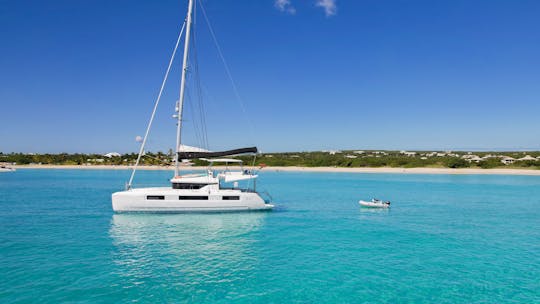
(497,171)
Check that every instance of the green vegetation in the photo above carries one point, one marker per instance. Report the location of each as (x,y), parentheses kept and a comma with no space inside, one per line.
(83,159)
(345,159)
(399,159)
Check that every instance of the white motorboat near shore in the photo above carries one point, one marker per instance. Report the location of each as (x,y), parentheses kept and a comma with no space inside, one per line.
(374,203)
(4,168)
(211,191)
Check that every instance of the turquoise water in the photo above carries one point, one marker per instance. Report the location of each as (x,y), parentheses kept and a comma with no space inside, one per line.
(447,239)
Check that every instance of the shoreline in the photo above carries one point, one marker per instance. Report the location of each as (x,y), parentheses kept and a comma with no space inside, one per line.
(462,171)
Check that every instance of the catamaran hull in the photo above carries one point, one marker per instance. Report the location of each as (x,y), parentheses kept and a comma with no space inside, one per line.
(134,201)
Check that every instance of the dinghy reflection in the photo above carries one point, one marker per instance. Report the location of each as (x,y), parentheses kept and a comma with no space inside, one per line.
(190,248)
(374,210)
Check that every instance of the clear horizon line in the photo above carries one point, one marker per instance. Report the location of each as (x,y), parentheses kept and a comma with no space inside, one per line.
(500,149)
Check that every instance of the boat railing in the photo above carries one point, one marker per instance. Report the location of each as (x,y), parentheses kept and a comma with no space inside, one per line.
(266,196)
(148,185)
(192,175)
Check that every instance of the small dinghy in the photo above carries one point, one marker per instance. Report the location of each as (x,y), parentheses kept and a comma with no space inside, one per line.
(375,203)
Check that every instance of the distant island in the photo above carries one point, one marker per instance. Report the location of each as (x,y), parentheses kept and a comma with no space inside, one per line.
(314,159)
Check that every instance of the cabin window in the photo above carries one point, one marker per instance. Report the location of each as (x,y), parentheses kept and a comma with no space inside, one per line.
(155,197)
(193,197)
(231,198)
(187,186)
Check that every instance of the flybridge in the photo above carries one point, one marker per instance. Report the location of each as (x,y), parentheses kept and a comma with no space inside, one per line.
(193,155)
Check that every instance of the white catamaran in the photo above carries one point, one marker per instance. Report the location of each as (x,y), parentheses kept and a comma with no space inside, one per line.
(200,192)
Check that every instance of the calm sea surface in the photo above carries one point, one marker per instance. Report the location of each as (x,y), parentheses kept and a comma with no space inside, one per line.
(447,239)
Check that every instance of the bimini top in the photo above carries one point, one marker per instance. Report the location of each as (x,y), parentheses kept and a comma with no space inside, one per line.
(221,160)
(192,155)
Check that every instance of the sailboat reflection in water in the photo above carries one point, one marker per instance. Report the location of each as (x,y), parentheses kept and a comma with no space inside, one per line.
(192,248)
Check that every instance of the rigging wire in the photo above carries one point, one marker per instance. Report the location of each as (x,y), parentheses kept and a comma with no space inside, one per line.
(141,151)
(228,72)
(202,112)
(193,118)
(193,96)
(201,133)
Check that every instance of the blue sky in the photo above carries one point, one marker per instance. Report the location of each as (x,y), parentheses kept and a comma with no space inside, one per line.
(81,76)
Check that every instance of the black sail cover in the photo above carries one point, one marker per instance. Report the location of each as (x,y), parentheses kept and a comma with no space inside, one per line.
(192,155)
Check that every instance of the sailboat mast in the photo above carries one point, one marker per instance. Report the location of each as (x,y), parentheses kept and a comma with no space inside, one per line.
(180,104)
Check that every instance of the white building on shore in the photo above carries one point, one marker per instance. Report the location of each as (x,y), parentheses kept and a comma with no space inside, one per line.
(527,157)
(112,154)
(407,153)
(507,160)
